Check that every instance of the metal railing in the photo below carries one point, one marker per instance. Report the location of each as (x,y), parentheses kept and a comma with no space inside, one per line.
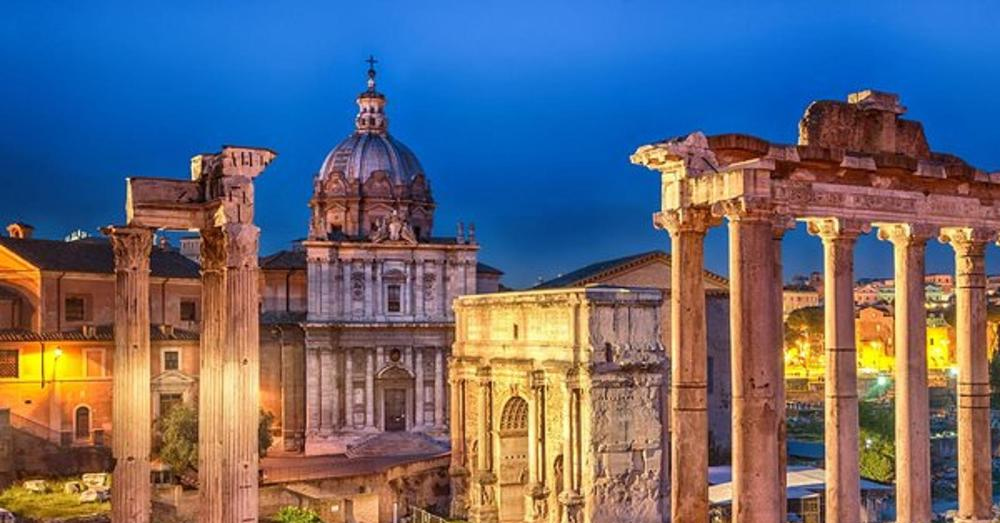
(419,515)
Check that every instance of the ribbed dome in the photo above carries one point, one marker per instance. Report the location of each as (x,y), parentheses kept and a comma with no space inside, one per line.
(365,152)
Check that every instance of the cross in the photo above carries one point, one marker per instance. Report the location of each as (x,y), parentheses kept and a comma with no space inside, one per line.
(371,62)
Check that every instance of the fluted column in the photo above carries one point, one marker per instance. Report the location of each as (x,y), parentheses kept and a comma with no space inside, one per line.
(349,387)
(757,492)
(689,364)
(843,489)
(538,491)
(418,392)
(326,390)
(439,387)
(485,509)
(782,224)
(975,482)
(130,415)
(369,389)
(913,481)
(459,470)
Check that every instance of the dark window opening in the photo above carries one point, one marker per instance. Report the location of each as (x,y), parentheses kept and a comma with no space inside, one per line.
(171,360)
(189,310)
(393,303)
(82,423)
(75,309)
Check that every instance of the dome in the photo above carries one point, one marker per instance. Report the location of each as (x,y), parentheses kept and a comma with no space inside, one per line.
(364,152)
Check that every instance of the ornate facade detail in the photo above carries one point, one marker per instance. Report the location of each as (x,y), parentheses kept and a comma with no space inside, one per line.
(131,246)
(393,229)
(692,219)
(830,229)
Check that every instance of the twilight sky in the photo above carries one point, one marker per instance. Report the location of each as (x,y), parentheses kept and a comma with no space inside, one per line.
(523,114)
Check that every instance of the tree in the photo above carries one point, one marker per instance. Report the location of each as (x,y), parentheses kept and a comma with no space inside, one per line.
(179,437)
(296,515)
(877,459)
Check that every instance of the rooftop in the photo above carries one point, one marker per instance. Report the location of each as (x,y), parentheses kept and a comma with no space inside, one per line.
(93,255)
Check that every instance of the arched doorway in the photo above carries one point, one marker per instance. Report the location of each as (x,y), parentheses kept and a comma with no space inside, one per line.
(81,423)
(513,459)
(394,390)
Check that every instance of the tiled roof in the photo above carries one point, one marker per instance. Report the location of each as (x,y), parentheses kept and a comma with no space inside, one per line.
(487,269)
(98,333)
(93,255)
(284,260)
(595,271)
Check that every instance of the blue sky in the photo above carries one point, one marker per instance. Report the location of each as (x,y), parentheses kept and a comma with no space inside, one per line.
(522,113)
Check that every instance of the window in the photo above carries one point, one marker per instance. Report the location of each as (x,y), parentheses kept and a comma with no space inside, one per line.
(169,401)
(392,299)
(171,360)
(9,364)
(189,310)
(75,308)
(82,423)
(94,359)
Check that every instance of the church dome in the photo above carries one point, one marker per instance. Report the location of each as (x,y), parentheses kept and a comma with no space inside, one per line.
(370,177)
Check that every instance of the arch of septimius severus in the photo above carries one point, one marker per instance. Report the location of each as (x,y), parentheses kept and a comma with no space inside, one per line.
(857,165)
(217,202)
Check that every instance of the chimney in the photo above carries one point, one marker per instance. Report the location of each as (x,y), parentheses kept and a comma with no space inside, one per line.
(20,230)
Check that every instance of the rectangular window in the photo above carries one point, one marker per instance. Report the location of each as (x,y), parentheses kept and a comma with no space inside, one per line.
(171,360)
(392,301)
(169,401)
(189,310)
(75,308)
(94,363)
(9,364)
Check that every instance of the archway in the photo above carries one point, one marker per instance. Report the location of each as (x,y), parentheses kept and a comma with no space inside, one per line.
(513,459)
(394,396)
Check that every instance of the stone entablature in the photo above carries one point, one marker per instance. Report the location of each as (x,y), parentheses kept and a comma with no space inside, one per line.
(556,406)
(857,164)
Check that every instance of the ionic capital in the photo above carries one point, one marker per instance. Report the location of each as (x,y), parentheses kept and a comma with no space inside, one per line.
(833,229)
(689,220)
(132,247)
(745,208)
(906,234)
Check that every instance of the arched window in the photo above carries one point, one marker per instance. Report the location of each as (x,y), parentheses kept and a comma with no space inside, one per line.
(82,422)
(514,418)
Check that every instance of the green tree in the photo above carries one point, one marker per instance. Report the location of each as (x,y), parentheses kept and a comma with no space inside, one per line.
(804,325)
(296,515)
(179,437)
(877,459)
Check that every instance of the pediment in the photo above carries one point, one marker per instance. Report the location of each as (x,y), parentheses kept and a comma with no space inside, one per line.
(173,377)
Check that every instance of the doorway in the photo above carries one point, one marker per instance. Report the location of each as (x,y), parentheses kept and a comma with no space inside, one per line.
(513,459)
(395,410)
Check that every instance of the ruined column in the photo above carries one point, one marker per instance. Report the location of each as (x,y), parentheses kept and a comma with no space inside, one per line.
(843,488)
(913,481)
(975,482)
(757,492)
(130,487)
(689,364)
(781,225)
(229,384)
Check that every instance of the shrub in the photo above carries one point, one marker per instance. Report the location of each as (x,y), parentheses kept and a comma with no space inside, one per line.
(297,515)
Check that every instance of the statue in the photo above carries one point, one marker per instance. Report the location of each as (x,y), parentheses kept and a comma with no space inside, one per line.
(395,229)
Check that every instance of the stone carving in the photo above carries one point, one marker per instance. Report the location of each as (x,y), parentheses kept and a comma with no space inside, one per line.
(638,357)
(357,285)
(393,229)
(131,246)
(429,285)
(685,157)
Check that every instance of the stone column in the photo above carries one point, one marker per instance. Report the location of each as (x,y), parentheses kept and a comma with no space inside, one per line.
(326,390)
(369,389)
(378,306)
(418,392)
(439,387)
(570,498)
(418,291)
(335,389)
(130,415)
(349,387)
(975,482)
(757,493)
(913,481)
(314,388)
(369,304)
(843,489)
(782,224)
(459,470)
(689,364)
(485,509)
(538,493)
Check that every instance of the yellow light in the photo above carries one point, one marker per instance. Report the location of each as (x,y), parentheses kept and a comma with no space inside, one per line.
(58,352)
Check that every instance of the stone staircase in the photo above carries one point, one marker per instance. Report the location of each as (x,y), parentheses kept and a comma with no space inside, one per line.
(396,444)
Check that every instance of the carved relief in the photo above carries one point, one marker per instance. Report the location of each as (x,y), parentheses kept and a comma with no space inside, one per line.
(430,280)
(357,285)
(132,247)
(393,229)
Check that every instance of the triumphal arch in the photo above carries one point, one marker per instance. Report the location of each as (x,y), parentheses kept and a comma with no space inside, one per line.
(556,399)
(857,164)
(218,202)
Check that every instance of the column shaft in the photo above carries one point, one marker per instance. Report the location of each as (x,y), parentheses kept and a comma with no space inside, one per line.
(843,490)
(757,493)
(689,366)
(130,416)
(975,482)
(369,388)
(913,484)
(418,393)
(326,389)
(349,402)
(439,387)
